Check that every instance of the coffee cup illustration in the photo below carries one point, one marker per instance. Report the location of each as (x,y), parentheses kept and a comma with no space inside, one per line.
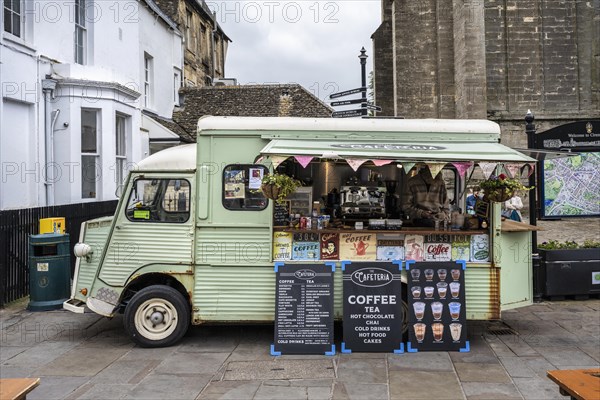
(361,248)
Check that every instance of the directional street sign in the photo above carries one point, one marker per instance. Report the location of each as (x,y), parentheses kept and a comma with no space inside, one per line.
(348,92)
(346,102)
(347,113)
(373,107)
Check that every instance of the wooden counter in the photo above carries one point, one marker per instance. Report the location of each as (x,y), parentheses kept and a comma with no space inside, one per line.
(408,230)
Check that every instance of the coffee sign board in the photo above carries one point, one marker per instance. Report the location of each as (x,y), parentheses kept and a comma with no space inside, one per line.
(303,309)
(436,313)
(372,307)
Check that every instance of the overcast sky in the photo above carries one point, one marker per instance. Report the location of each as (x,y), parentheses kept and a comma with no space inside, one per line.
(313,43)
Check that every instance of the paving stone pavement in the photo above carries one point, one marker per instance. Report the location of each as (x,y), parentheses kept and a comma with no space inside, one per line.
(89,357)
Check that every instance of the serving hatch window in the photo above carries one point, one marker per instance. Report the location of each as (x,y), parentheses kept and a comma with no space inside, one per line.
(241,187)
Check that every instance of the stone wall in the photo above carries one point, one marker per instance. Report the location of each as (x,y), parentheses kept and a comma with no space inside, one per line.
(490,59)
(383,62)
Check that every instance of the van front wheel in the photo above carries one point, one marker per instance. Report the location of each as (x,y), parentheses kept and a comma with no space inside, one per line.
(157,316)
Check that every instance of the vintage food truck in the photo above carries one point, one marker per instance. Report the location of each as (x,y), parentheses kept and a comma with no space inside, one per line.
(194,240)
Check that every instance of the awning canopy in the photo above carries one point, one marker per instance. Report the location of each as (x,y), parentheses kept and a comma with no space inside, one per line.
(396,150)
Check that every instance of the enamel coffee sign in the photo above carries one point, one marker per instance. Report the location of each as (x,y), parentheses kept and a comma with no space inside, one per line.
(372,307)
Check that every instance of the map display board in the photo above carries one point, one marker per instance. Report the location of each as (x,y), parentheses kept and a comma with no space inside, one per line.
(303,309)
(372,307)
(571,186)
(437,319)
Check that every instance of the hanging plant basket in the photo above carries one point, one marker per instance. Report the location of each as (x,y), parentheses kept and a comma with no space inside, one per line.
(500,194)
(278,186)
(270,191)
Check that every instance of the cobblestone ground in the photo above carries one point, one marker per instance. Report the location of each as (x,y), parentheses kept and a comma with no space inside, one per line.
(576,229)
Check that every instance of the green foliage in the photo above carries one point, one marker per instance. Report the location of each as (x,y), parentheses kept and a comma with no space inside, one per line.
(501,188)
(284,185)
(568,245)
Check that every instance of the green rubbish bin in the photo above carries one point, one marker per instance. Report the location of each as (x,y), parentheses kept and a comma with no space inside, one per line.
(49,271)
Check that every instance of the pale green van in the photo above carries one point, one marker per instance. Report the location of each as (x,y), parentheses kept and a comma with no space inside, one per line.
(183,248)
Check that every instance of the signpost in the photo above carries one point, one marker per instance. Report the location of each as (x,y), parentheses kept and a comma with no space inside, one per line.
(303,309)
(347,113)
(346,102)
(348,92)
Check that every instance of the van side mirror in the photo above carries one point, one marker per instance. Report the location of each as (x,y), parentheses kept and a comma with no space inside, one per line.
(119,191)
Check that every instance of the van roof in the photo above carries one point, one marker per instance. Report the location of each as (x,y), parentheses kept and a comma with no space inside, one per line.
(174,158)
(398,126)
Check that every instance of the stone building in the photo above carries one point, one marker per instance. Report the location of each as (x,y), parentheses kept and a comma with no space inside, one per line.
(290,100)
(205,43)
(489,59)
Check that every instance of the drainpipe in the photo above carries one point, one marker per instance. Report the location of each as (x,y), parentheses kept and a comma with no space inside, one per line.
(50,117)
(213,46)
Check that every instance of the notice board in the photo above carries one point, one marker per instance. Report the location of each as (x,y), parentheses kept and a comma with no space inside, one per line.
(303,309)
(372,307)
(436,306)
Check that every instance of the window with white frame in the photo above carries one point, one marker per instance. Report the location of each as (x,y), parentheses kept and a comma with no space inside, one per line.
(13,17)
(80,32)
(148,79)
(121,148)
(90,156)
(176,85)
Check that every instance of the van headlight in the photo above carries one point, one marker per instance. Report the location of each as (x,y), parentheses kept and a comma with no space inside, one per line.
(83,250)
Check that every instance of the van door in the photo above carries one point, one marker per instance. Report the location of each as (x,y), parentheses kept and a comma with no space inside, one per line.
(154,229)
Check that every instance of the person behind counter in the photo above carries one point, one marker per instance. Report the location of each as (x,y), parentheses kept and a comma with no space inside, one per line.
(472,199)
(426,198)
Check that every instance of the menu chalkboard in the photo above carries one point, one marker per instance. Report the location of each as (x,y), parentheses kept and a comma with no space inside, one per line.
(281,214)
(372,307)
(303,309)
(436,298)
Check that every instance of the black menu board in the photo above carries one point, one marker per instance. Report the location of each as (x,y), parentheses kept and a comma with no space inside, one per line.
(436,306)
(281,213)
(372,307)
(304,309)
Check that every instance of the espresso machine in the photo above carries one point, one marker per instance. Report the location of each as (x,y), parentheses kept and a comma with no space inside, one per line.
(363,202)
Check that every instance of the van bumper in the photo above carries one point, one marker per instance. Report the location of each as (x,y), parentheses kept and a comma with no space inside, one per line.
(74,305)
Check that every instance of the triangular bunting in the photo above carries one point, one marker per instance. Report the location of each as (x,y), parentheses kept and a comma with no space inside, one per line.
(530,168)
(462,167)
(381,163)
(355,163)
(407,166)
(435,168)
(277,160)
(513,170)
(487,168)
(304,160)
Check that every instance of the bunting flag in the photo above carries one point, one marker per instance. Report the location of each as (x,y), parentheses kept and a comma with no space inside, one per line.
(355,163)
(304,160)
(462,167)
(435,168)
(407,166)
(487,168)
(381,163)
(513,170)
(530,168)
(276,160)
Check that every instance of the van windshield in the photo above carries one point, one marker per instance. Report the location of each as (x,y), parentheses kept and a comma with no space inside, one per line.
(159,200)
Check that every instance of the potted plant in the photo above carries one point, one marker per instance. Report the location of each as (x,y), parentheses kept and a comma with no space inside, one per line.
(278,186)
(501,188)
(570,268)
